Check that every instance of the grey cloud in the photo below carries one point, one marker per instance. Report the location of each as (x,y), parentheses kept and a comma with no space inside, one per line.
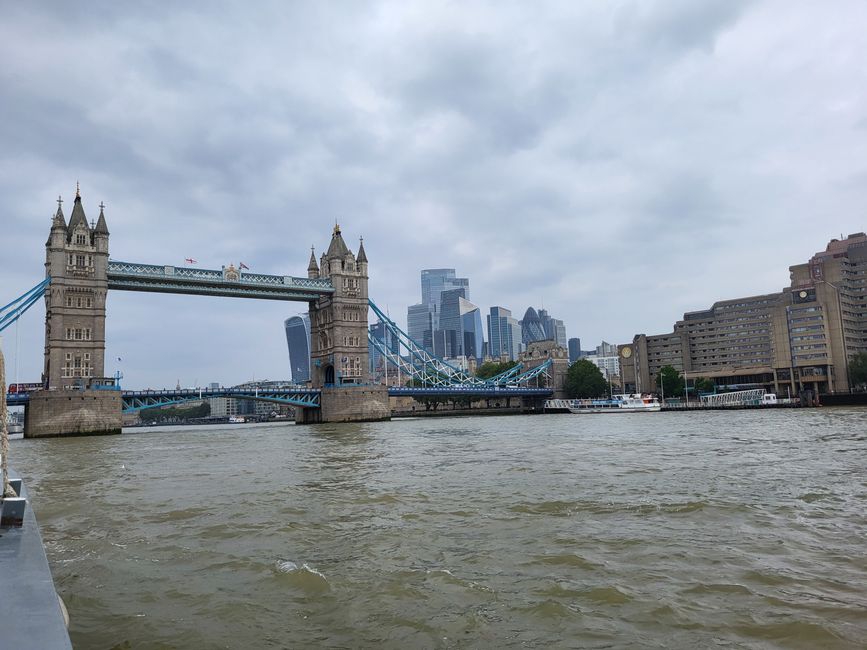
(549,152)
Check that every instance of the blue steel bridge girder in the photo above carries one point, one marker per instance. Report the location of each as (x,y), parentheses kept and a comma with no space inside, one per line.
(479,392)
(420,364)
(416,363)
(141,400)
(11,312)
(232,283)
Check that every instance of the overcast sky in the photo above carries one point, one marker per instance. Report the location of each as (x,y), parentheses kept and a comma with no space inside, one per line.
(617,162)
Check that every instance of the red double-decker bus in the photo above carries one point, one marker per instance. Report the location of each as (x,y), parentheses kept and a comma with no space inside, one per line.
(17,389)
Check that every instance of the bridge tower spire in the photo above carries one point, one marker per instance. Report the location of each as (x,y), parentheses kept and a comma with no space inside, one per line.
(76,259)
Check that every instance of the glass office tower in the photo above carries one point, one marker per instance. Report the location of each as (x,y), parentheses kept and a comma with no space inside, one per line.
(298,340)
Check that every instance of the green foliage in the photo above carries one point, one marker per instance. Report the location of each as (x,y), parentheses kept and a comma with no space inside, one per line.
(492,368)
(704,385)
(203,410)
(858,369)
(669,382)
(584,379)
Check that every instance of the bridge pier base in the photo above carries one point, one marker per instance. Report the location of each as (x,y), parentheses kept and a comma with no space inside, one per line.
(73,413)
(348,403)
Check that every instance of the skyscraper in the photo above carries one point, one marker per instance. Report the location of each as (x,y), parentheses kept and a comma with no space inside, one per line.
(448,337)
(435,281)
(298,340)
(554,328)
(419,325)
(424,327)
(504,334)
(473,340)
(574,350)
(531,327)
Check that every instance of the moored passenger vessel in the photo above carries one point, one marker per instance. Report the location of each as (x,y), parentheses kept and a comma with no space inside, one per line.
(626,403)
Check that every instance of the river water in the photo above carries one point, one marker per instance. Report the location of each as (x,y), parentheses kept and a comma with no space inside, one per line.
(743,529)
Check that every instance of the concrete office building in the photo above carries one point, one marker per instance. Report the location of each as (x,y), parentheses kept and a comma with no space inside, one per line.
(800,339)
(609,365)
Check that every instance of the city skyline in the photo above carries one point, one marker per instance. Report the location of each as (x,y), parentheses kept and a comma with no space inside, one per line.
(642,183)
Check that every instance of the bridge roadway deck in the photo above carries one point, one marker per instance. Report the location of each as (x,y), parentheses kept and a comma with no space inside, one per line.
(132,276)
(469,391)
(298,396)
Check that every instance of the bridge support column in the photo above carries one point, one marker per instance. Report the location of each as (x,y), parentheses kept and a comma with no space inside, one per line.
(348,403)
(73,413)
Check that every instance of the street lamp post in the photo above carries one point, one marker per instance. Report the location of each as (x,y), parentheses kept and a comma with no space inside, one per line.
(686,388)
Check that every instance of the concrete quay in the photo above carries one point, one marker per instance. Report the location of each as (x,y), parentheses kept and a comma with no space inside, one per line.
(32,617)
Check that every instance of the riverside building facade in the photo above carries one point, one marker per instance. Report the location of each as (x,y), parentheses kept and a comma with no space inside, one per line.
(800,339)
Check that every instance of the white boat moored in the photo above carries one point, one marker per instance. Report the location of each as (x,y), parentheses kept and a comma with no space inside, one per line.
(626,403)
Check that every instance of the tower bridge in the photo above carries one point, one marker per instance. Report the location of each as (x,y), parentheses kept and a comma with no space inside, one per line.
(76,398)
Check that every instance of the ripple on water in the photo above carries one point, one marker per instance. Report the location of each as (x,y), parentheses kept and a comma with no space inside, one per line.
(569,508)
(566,560)
(718,588)
(802,634)
(607,596)
(304,578)
(555,508)
(811,497)
(548,609)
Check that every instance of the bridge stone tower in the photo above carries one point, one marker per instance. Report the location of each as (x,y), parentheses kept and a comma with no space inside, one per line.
(338,340)
(76,259)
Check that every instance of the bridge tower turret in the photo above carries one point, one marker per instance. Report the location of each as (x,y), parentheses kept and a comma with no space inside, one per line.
(312,267)
(76,259)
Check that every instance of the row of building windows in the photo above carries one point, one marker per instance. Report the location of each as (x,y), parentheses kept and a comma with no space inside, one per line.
(77,333)
(807,319)
(745,304)
(351,367)
(79,301)
(808,337)
(77,365)
(814,346)
(80,261)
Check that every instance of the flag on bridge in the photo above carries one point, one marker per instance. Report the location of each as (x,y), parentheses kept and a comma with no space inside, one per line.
(190,260)
(243,266)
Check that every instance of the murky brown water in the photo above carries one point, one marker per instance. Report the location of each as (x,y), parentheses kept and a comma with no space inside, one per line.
(733,530)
